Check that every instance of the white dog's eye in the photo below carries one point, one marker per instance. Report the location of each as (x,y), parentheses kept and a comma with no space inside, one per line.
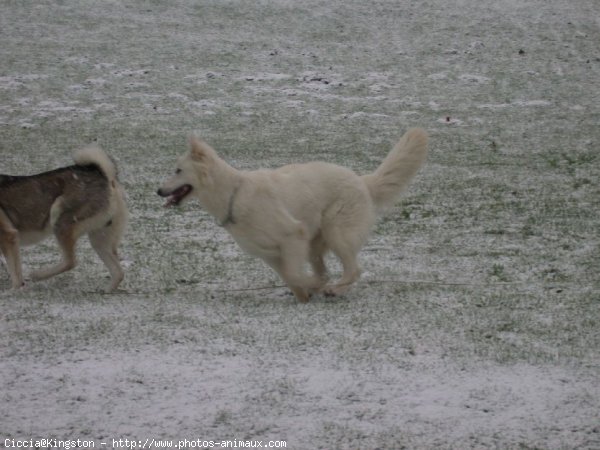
(178,171)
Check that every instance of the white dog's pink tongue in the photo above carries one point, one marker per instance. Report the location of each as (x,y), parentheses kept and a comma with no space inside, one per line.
(171,200)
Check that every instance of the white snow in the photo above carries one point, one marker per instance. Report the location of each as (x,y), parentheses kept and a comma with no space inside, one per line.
(475,322)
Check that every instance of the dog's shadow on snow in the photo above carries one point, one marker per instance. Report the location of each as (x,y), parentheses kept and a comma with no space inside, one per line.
(286,296)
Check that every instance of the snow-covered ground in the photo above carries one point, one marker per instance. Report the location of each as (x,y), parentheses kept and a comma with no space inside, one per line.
(476,323)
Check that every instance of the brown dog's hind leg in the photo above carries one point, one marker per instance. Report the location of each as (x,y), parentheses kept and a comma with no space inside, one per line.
(9,245)
(105,242)
(66,232)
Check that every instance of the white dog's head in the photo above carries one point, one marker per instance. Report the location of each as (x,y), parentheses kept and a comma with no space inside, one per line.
(192,174)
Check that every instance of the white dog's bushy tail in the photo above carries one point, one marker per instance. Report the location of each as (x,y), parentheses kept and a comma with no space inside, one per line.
(397,169)
(95,155)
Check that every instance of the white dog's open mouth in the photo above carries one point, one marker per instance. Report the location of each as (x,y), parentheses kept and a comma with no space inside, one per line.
(175,197)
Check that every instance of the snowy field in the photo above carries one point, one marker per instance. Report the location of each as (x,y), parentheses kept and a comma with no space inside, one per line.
(476,324)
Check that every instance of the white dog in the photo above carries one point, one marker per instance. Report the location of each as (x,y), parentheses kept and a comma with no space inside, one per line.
(297,213)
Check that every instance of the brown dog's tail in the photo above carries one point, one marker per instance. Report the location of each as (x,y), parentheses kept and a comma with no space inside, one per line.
(96,156)
(397,169)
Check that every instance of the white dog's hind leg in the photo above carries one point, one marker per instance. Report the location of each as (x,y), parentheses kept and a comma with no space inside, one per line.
(318,248)
(345,245)
(351,274)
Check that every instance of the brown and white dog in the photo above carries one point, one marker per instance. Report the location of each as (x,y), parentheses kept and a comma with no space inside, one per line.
(85,198)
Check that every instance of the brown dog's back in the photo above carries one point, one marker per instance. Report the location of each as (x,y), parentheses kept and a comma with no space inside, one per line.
(27,200)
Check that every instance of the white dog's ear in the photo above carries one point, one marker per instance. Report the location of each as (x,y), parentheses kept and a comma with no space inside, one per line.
(200,151)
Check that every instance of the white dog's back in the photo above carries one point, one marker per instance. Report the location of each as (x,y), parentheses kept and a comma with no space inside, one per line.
(323,195)
(318,194)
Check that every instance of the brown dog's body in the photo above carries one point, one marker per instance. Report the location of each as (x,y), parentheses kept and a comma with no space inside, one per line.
(85,198)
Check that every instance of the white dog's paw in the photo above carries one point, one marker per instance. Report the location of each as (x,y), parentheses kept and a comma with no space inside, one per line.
(335,290)
(330,292)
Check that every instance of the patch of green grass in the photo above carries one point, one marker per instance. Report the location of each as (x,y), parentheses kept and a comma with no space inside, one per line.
(498,272)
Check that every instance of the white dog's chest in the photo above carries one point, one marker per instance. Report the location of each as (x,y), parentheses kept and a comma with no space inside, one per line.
(260,246)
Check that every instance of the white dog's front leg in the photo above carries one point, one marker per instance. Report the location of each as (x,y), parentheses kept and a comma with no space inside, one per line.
(290,267)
